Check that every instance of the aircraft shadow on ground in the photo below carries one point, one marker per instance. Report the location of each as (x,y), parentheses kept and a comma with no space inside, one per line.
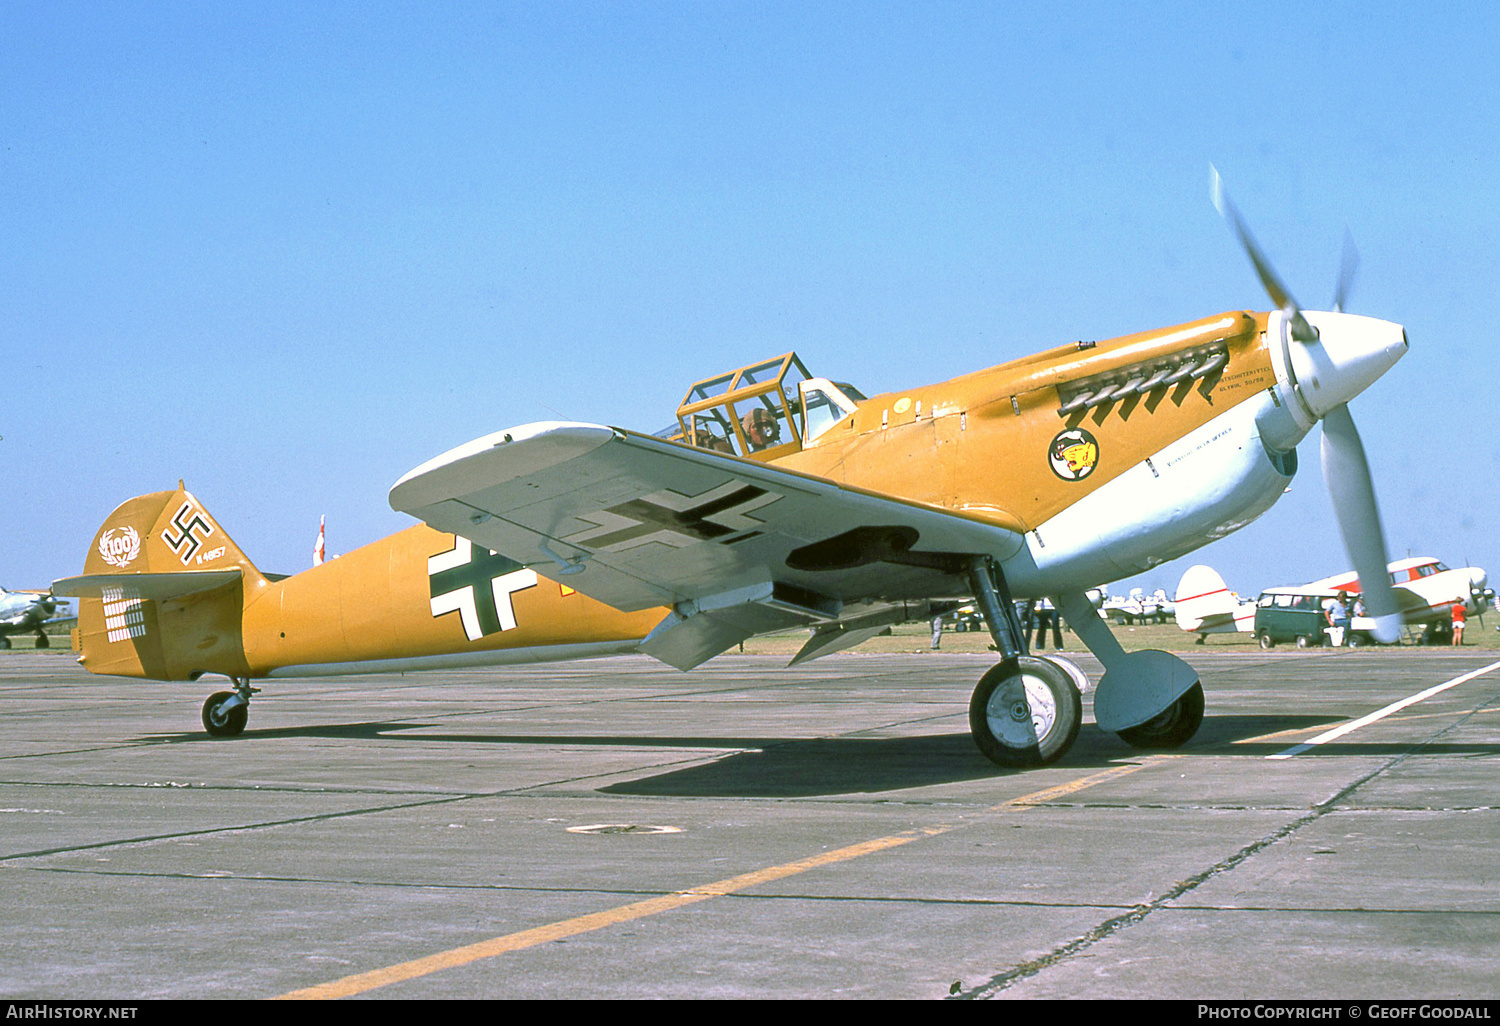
(831,766)
(771,767)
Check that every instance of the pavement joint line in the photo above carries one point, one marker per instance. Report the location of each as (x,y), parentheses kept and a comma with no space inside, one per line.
(619,893)
(1379,714)
(147,785)
(1361,910)
(1010,977)
(52,753)
(360,983)
(120,842)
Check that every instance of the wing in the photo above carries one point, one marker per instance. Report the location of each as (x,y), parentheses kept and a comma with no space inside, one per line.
(733,546)
(1416,607)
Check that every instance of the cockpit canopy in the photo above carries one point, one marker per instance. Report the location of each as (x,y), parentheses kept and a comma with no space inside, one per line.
(762,411)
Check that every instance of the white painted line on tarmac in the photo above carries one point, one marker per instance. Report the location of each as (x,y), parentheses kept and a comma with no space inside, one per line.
(1352,725)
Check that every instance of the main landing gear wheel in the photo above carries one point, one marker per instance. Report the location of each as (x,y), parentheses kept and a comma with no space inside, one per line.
(1171,728)
(1025,712)
(220,723)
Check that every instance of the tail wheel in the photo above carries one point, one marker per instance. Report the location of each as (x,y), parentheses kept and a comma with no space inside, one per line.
(221,722)
(1171,728)
(1025,712)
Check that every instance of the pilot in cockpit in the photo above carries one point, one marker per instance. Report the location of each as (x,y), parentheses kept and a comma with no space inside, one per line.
(761,429)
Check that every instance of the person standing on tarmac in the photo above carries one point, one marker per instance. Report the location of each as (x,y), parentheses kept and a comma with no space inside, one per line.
(1048,616)
(1338,617)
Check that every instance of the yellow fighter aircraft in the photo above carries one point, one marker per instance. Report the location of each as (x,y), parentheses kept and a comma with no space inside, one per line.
(780,500)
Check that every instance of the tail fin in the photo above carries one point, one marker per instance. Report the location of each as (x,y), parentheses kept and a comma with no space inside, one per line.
(1204,602)
(162,592)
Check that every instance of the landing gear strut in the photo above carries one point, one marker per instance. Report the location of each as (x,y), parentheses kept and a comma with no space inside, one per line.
(1150,699)
(1025,711)
(225,712)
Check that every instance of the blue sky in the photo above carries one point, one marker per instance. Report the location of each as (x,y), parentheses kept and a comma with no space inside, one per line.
(290,252)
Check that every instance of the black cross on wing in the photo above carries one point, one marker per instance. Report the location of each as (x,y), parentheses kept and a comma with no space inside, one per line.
(676,520)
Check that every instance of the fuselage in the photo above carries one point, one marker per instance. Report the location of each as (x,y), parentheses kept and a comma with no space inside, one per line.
(1425,587)
(416,599)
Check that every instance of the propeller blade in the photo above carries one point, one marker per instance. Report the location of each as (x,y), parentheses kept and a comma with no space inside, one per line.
(1301,330)
(1348,267)
(1348,475)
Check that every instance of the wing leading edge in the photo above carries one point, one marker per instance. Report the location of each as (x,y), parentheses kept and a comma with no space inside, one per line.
(732,546)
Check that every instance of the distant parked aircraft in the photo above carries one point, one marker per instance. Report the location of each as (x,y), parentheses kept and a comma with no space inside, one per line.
(25,612)
(1425,591)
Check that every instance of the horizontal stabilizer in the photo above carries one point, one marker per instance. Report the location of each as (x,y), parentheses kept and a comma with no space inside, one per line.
(178,584)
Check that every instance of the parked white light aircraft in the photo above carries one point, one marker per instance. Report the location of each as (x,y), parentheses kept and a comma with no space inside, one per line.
(1425,591)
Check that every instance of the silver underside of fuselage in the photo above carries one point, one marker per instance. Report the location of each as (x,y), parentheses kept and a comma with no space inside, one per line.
(1205,485)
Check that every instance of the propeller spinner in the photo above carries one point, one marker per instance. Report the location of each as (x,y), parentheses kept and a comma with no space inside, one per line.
(1336,360)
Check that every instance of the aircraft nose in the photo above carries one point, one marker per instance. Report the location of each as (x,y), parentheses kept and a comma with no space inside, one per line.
(1350,354)
(1479,577)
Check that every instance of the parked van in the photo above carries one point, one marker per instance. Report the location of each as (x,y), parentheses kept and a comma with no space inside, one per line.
(1292,615)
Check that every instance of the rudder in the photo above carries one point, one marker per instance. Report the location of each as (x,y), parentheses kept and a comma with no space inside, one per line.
(1202,594)
(162,592)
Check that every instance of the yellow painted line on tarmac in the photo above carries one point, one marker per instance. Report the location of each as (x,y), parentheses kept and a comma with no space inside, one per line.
(1052,794)
(455,957)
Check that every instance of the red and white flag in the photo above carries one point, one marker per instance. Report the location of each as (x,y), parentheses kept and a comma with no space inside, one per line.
(318,548)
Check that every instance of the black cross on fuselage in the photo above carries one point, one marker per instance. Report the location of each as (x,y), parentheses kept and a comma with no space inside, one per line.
(478,573)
